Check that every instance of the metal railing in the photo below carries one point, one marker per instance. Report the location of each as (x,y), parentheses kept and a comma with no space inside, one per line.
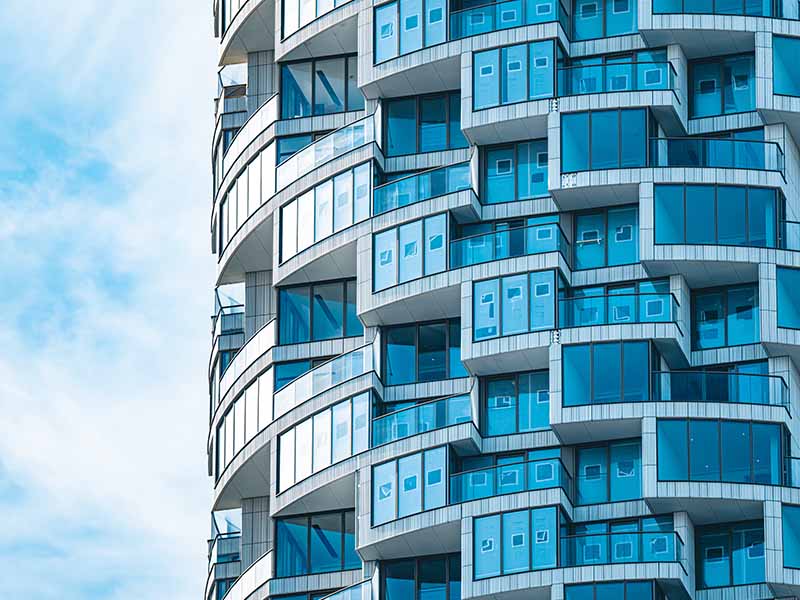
(506,15)
(621,547)
(722,387)
(613,309)
(323,377)
(434,414)
(615,77)
(324,149)
(716,153)
(508,243)
(224,548)
(420,187)
(228,319)
(727,7)
(497,480)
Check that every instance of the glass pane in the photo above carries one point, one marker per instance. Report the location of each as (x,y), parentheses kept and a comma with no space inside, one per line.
(700,214)
(401,126)
(328,315)
(534,401)
(343,201)
(384,484)
(575,142)
(322,440)
(669,214)
(486,79)
(485,309)
(516,542)
(501,400)
(736,462)
(435,478)
(296,90)
(342,441)
(577,378)
(410,250)
(625,471)
(704,450)
(673,451)
(400,355)
(432,583)
(433,124)
(623,236)
(384,260)
(291,546)
(410,25)
(432,352)
(295,315)
(435,244)
(606,372)
(329,85)
(386,37)
(486,547)
(742,316)
(326,543)
(767,454)
(515,304)
(592,479)
(514,61)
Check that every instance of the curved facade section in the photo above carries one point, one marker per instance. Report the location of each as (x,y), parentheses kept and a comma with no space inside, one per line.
(508,301)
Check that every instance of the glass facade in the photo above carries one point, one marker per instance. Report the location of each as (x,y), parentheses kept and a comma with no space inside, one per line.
(604,139)
(299,13)
(610,472)
(724,215)
(785,71)
(593,19)
(423,124)
(409,252)
(423,578)
(634,71)
(729,554)
(319,87)
(422,352)
(513,74)
(409,485)
(516,403)
(406,26)
(514,172)
(316,543)
(722,85)
(633,302)
(725,317)
(791,535)
(318,312)
(728,451)
(617,590)
(788,289)
(606,237)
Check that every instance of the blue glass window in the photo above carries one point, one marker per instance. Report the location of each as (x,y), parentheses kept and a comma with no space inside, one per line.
(513,74)
(606,373)
(608,473)
(722,85)
(288,146)
(785,66)
(603,18)
(420,247)
(408,25)
(730,554)
(317,543)
(409,485)
(726,317)
(630,590)
(517,403)
(514,313)
(319,87)
(323,311)
(423,352)
(515,172)
(791,536)
(423,124)
(788,286)
(607,139)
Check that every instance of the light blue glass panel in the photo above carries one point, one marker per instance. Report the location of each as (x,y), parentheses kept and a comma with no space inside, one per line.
(436,244)
(574,142)
(748,553)
(351,558)
(486,78)
(731,226)
(386,32)
(499,175)
(542,65)
(291,546)
(516,542)
(740,86)
(434,22)
(590,244)
(623,236)
(606,373)
(410,251)
(577,369)
(592,479)
(515,304)
(486,547)
(713,558)
(621,17)
(410,25)
(788,297)
(785,66)
(605,139)
(328,311)
(544,523)
(669,214)
(587,19)
(385,259)
(635,369)
(326,543)
(700,214)
(401,127)
(703,459)
(514,83)
(791,536)
(329,86)
(534,401)
(633,137)
(501,406)
(543,302)
(673,452)
(296,90)
(742,316)
(761,220)
(361,408)
(401,355)
(736,461)
(625,470)
(486,302)
(580,592)
(706,90)
(457,139)
(409,483)
(295,315)
(767,454)
(384,493)
(435,478)
(532,169)
(343,201)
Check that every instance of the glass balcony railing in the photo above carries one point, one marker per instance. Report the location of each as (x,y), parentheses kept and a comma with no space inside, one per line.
(506,15)
(723,387)
(427,416)
(508,243)
(358,591)
(509,479)
(263,117)
(615,77)
(327,148)
(324,377)
(716,153)
(621,547)
(256,346)
(224,548)
(790,235)
(774,8)
(420,187)
(615,309)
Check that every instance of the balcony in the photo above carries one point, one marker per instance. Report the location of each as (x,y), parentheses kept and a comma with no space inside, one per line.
(617,309)
(324,377)
(720,387)
(224,548)
(325,149)
(616,77)
(509,243)
(716,153)
(420,187)
(506,15)
(255,347)
(435,414)
(622,547)
(723,7)
(498,480)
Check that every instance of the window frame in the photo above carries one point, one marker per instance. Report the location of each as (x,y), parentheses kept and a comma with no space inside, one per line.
(725,290)
(416,561)
(313,61)
(606,445)
(447,95)
(423,25)
(596,211)
(484,401)
(719,60)
(604,6)
(656,594)
(515,148)
(448,323)
(310,286)
(308,517)
(722,529)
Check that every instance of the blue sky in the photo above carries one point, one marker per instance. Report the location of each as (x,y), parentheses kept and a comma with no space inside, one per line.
(106,278)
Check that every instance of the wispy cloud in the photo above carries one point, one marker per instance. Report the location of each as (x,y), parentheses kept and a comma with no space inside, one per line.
(105,276)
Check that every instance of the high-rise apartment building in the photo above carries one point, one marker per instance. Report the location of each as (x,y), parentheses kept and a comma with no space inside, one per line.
(508,300)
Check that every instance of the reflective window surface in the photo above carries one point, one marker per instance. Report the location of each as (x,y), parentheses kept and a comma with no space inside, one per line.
(299,13)
(610,472)
(722,85)
(788,285)
(606,139)
(620,590)
(319,87)
(606,237)
(514,172)
(593,19)
(316,543)
(410,251)
(791,536)
(423,124)
(425,578)
(725,317)
(319,312)
(513,74)
(644,70)
(422,352)
(785,66)
(729,554)
(516,403)
(408,25)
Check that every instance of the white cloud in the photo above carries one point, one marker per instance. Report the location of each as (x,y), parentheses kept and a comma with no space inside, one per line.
(106,277)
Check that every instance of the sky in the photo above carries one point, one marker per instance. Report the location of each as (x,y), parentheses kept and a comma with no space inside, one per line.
(106,281)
